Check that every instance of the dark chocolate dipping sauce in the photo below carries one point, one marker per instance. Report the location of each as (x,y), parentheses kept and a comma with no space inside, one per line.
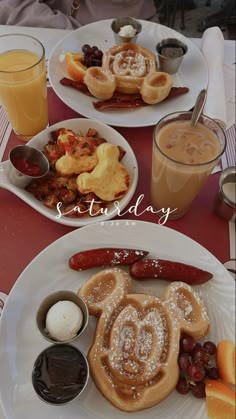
(60,373)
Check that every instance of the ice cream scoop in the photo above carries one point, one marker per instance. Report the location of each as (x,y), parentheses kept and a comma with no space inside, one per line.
(63,321)
(125,29)
(62,317)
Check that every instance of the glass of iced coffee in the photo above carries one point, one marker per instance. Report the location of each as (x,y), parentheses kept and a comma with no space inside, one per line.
(183,156)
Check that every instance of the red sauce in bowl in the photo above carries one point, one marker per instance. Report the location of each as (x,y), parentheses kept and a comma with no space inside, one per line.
(27,167)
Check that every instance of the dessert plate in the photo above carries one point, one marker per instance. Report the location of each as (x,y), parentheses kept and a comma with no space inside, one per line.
(193,73)
(77,125)
(21,342)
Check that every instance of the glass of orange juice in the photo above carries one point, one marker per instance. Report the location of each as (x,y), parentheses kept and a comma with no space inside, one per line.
(23,84)
(182,159)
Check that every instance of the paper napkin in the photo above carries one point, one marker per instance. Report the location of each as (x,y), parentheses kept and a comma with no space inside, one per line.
(213,50)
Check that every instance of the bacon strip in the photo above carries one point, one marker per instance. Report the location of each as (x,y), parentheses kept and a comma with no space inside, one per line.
(176,91)
(119,100)
(126,96)
(78,85)
(116,103)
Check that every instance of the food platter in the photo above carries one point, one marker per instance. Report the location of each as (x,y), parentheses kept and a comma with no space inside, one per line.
(193,73)
(77,125)
(21,342)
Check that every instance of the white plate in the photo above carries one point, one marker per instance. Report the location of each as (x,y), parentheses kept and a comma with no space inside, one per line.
(77,125)
(193,73)
(21,342)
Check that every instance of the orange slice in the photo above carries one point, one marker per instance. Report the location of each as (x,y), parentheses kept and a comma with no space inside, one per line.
(225,358)
(220,400)
(75,68)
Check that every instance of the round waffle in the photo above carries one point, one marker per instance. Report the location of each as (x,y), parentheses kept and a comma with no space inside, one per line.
(134,356)
(125,69)
(130,64)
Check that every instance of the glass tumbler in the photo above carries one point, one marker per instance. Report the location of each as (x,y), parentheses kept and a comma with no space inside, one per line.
(23,84)
(182,159)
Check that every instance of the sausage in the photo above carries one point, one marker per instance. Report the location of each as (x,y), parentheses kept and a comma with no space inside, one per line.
(171,271)
(105,256)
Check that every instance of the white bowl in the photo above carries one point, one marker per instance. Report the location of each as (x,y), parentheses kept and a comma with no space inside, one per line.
(77,125)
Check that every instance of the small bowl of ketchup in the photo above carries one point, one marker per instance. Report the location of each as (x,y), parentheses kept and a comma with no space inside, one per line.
(25,164)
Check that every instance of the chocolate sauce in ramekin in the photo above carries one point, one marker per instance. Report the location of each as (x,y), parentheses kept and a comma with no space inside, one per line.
(60,373)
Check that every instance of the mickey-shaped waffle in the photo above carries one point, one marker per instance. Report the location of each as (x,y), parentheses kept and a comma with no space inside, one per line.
(128,68)
(133,358)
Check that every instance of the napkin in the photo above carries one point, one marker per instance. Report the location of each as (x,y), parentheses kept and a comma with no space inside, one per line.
(213,50)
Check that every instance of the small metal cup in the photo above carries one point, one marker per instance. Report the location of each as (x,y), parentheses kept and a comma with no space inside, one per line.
(54,383)
(224,206)
(52,299)
(30,154)
(171,64)
(118,23)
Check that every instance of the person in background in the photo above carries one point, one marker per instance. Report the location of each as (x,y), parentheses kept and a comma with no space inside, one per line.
(71,14)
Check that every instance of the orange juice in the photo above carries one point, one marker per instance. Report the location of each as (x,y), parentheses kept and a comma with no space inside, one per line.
(23,91)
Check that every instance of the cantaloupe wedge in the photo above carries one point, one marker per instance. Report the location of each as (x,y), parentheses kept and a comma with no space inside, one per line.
(220,400)
(75,68)
(225,358)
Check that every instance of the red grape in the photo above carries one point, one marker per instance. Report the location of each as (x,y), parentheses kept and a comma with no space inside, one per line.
(187,344)
(184,361)
(92,56)
(98,54)
(198,390)
(86,48)
(197,372)
(182,386)
(201,355)
(198,345)
(87,61)
(213,373)
(210,347)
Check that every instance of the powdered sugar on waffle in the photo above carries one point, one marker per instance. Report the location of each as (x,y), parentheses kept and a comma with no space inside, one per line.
(136,344)
(129,63)
(180,303)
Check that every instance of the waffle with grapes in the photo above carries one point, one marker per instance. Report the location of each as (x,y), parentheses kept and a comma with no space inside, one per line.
(134,356)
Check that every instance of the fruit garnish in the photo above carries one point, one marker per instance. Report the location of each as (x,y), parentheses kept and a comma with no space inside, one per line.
(201,355)
(184,361)
(183,386)
(198,390)
(197,363)
(92,56)
(210,346)
(213,373)
(226,361)
(220,400)
(74,65)
(187,344)
(196,372)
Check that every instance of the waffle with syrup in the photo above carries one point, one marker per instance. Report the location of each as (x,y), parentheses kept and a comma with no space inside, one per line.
(134,356)
(128,68)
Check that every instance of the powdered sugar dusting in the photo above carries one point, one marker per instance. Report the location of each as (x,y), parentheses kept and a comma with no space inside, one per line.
(137,337)
(128,63)
(184,300)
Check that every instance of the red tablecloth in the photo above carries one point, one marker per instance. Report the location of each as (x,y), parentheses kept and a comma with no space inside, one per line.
(24,232)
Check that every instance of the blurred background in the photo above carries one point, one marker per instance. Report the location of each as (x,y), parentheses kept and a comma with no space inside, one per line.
(192,17)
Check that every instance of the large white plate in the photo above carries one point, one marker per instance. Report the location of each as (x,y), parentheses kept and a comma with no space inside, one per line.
(21,342)
(77,125)
(193,74)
